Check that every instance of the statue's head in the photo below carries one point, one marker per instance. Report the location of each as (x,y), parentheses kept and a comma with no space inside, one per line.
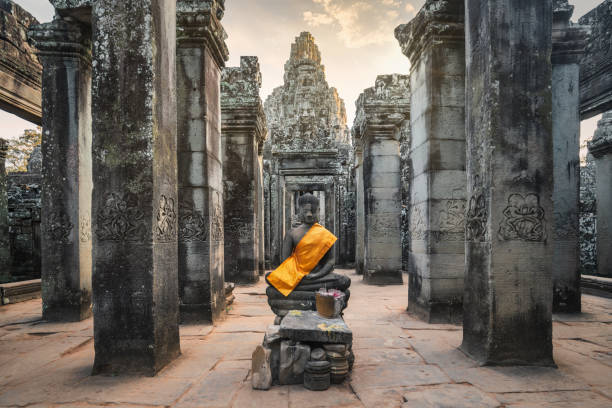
(309,209)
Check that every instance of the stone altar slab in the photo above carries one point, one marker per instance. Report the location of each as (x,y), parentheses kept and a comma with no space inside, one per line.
(308,326)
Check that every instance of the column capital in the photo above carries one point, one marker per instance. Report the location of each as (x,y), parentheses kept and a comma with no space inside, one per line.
(199,22)
(569,40)
(62,37)
(440,20)
(241,106)
(601,145)
(382,108)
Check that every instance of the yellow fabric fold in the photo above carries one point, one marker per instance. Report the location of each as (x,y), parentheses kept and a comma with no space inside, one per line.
(305,257)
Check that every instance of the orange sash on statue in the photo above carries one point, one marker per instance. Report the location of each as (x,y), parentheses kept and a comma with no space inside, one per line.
(306,255)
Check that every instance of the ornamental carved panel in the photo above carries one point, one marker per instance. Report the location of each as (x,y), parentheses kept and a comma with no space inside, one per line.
(166,230)
(58,227)
(524,219)
(193,226)
(120,219)
(84,229)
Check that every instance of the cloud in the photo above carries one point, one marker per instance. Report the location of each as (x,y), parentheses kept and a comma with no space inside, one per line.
(410,8)
(360,23)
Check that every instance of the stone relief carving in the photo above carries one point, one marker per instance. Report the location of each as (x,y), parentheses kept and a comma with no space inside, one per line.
(165,230)
(120,219)
(84,229)
(216,224)
(452,218)
(523,219)
(58,227)
(418,227)
(193,226)
(476,216)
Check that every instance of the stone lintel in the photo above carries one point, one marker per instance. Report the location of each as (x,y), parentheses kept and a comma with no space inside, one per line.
(438,20)
(198,23)
(245,119)
(62,37)
(601,145)
(569,44)
(77,9)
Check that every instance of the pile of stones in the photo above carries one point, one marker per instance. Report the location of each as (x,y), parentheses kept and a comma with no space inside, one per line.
(305,348)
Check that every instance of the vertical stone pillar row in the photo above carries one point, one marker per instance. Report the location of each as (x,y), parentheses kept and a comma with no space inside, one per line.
(434,41)
(243,131)
(568,46)
(601,149)
(135,279)
(509,227)
(381,110)
(201,54)
(5,254)
(64,49)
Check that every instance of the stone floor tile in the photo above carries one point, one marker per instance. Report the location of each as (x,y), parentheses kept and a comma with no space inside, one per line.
(440,348)
(580,366)
(397,375)
(516,379)
(555,399)
(217,389)
(275,397)
(338,395)
(398,342)
(381,397)
(365,357)
(448,396)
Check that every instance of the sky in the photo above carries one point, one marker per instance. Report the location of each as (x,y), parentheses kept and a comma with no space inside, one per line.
(355,38)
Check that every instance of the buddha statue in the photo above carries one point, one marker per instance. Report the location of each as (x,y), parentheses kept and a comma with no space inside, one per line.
(308,264)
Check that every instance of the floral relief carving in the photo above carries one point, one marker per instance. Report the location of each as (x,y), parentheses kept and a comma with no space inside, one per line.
(166,220)
(120,219)
(523,219)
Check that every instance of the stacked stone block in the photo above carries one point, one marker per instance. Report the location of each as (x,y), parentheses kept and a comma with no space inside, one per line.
(434,41)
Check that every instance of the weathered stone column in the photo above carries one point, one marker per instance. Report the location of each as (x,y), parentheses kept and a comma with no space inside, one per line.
(135,280)
(509,227)
(359,210)
(5,250)
(201,54)
(381,110)
(568,47)
(243,130)
(601,149)
(261,242)
(434,41)
(64,49)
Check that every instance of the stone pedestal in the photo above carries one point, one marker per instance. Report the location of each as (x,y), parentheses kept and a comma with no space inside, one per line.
(201,53)
(434,41)
(66,265)
(381,110)
(568,47)
(243,130)
(601,149)
(509,226)
(5,250)
(135,280)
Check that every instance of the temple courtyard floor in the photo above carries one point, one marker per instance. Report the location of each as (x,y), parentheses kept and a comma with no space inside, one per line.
(400,362)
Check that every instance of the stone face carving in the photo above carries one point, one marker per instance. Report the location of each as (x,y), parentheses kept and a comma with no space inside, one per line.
(524,219)
(305,114)
(120,219)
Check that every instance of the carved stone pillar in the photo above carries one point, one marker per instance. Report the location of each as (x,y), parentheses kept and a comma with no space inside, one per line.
(261,266)
(64,49)
(568,47)
(243,130)
(381,110)
(201,54)
(359,210)
(508,284)
(5,251)
(135,280)
(601,149)
(434,41)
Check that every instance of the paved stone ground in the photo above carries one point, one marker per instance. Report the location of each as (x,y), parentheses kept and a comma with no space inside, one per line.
(399,360)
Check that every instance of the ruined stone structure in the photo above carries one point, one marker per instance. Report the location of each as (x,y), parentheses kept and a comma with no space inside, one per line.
(596,65)
(568,47)
(243,134)
(64,49)
(310,149)
(588,218)
(508,284)
(383,111)
(601,149)
(434,42)
(20,71)
(201,54)
(5,254)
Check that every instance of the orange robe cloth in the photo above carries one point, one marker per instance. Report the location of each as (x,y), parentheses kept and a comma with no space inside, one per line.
(307,253)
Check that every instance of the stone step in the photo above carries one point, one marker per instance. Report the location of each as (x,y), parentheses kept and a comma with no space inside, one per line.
(597,285)
(20,291)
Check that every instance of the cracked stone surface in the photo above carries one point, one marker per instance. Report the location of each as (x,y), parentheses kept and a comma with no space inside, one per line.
(399,362)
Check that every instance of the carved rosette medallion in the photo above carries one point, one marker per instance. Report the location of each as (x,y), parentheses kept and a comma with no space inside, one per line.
(524,219)
(193,226)
(58,228)
(120,219)
(165,230)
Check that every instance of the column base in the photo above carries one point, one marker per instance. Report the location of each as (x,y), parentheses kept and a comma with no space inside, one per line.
(382,277)
(437,312)
(130,362)
(66,314)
